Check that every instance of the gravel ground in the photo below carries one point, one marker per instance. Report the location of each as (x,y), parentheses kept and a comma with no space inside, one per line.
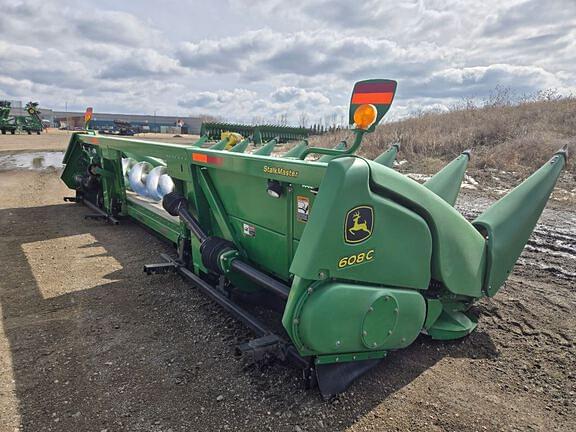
(89,343)
(54,139)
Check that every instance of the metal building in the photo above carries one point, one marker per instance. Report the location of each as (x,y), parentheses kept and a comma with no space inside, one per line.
(150,123)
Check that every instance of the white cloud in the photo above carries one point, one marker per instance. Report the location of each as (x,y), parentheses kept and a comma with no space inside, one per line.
(218,100)
(142,62)
(116,28)
(270,57)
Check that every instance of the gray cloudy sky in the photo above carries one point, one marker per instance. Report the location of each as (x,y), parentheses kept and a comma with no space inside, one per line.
(246,59)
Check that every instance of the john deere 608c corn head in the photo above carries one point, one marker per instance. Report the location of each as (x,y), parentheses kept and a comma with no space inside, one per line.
(361,258)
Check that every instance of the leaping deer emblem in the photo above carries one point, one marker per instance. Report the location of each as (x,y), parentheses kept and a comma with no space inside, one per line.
(358,226)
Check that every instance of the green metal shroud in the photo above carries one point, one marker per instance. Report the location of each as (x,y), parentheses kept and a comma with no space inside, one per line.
(509,223)
(446,182)
(297,150)
(372,257)
(389,156)
(341,146)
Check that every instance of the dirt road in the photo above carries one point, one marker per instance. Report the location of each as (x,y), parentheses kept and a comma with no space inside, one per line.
(89,343)
(57,140)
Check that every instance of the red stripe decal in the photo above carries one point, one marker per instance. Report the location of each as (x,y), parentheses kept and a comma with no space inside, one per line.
(377,87)
(214,160)
(372,98)
(199,157)
(203,158)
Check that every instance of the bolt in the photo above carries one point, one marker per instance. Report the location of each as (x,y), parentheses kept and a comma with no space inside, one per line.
(396,311)
(353,357)
(389,332)
(337,358)
(337,343)
(296,321)
(374,344)
(403,339)
(322,275)
(365,333)
(386,298)
(310,290)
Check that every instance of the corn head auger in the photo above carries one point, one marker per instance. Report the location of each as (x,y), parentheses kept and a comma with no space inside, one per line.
(361,258)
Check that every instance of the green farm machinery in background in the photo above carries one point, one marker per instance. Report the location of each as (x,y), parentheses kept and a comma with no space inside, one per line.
(30,123)
(360,258)
(7,122)
(259,133)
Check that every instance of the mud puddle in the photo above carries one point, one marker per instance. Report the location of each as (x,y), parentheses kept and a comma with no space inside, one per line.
(32,161)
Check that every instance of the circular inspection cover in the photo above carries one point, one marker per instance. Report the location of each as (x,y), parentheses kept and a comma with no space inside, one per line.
(380,321)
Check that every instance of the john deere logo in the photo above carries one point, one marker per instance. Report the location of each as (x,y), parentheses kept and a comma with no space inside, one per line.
(358,225)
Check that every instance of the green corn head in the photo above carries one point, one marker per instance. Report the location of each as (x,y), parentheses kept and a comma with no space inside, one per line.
(360,258)
(259,133)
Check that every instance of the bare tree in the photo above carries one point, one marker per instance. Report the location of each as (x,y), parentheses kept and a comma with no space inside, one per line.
(283,119)
(303,120)
(333,120)
(208,117)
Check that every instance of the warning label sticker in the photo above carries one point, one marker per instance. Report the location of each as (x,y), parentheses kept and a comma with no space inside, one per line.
(303,208)
(249,230)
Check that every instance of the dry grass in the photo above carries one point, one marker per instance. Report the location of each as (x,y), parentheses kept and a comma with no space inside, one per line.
(505,136)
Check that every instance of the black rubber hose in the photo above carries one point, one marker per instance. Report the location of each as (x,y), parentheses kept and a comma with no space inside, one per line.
(212,247)
(177,205)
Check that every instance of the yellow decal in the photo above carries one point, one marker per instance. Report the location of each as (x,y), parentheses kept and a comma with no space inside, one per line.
(280,171)
(359,258)
(358,224)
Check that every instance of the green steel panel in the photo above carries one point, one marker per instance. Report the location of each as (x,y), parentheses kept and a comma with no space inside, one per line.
(434,309)
(510,221)
(397,251)
(459,250)
(218,212)
(452,325)
(266,248)
(177,157)
(345,318)
(244,196)
(166,228)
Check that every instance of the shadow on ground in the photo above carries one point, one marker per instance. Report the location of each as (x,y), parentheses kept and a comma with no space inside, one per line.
(97,345)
